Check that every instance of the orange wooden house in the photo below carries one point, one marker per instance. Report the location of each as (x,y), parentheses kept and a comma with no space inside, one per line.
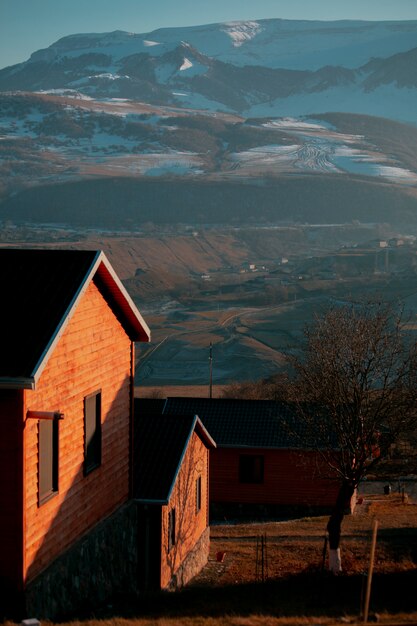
(66,414)
(171,487)
(261,466)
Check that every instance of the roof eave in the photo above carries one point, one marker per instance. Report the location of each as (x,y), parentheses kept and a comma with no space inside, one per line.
(196,426)
(17,383)
(150,501)
(204,433)
(140,330)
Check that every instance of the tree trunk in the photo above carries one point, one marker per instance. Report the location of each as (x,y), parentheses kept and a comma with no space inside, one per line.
(334,526)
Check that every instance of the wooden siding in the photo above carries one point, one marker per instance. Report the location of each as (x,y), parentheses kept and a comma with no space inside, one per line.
(290,479)
(93,354)
(11,490)
(189,523)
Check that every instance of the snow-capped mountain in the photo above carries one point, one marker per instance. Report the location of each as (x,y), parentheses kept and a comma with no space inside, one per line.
(273,120)
(266,67)
(275,43)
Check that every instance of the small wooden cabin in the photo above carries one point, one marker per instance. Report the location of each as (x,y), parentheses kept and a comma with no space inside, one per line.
(171,487)
(66,412)
(261,466)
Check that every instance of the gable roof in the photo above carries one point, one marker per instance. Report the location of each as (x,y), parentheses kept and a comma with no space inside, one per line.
(160,444)
(244,423)
(41,289)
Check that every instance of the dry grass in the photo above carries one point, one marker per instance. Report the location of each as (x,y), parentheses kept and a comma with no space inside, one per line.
(296,547)
(296,590)
(170,391)
(253,620)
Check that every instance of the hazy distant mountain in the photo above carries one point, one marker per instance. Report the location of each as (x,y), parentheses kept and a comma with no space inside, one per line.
(258,68)
(269,120)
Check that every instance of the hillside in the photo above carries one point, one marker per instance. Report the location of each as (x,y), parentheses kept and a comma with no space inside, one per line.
(130,203)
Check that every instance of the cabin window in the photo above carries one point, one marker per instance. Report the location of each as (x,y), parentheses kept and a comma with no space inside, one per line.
(198,494)
(47,459)
(251,468)
(171,529)
(92,432)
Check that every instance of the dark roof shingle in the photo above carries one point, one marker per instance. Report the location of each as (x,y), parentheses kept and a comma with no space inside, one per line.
(244,423)
(160,443)
(39,287)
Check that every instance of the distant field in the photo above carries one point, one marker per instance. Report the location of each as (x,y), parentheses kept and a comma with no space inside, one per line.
(196,391)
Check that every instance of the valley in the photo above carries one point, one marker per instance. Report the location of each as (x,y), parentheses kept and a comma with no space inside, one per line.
(247,290)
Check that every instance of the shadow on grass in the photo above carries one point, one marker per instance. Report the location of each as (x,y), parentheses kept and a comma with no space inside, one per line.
(308,594)
(400,544)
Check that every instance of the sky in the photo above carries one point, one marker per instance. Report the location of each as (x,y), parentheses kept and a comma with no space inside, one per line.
(29,25)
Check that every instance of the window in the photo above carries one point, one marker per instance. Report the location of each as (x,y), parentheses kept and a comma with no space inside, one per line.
(251,468)
(171,529)
(198,494)
(47,459)
(92,432)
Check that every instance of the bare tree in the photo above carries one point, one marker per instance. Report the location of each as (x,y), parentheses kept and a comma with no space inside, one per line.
(357,385)
(273,388)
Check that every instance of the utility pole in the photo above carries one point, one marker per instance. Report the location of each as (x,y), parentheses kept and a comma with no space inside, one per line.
(211,369)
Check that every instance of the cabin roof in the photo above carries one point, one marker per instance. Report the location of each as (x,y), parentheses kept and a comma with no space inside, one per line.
(244,423)
(40,291)
(160,444)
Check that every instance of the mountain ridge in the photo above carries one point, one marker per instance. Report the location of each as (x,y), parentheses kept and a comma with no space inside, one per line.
(250,68)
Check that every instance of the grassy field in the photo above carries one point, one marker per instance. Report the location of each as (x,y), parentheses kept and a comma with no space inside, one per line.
(295,587)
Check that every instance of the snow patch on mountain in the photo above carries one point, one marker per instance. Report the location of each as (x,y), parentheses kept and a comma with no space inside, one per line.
(312,155)
(241,32)
(186,65)
(385,101)
(295,44)
(296,124)
(149,44)
(318,150)
(67,92)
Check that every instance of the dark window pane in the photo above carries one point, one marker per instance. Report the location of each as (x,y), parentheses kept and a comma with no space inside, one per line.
(48,459)
(198,494)
(92,432)
(251,468)
(171,529)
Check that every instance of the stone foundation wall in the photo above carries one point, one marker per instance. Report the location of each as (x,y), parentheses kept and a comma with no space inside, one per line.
(98,566)
(194,562)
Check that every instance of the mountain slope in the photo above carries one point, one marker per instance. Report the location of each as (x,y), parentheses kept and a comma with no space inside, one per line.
(266,121)
(269,67)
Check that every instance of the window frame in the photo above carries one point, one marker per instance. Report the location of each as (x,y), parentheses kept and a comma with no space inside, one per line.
(249,474)
(50,464)
(171,529)
(92,455)
(198,495)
